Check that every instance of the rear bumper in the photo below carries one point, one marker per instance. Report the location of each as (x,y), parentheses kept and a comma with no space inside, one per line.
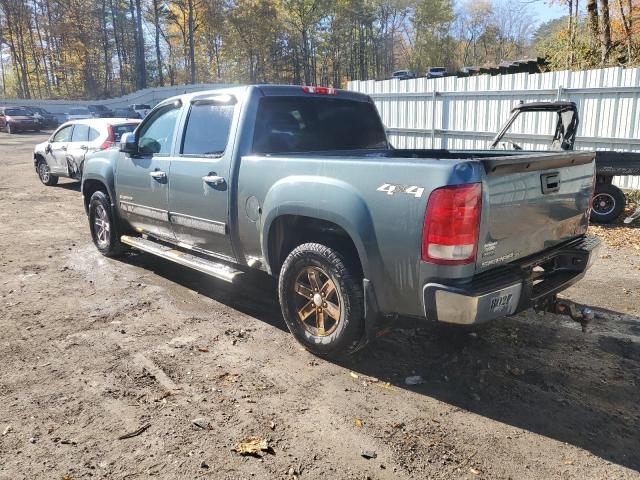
(512,288)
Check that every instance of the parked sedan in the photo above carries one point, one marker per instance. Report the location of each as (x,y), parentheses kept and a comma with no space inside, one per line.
(79,113)
(100,111)
(141,108)
(126,113)
(44,118)
(404,74)
(63,154)
(17,119)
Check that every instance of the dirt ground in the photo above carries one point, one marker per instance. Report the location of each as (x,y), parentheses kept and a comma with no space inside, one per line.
(92,349)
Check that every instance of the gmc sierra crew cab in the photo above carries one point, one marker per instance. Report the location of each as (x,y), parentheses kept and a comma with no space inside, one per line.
(302,183)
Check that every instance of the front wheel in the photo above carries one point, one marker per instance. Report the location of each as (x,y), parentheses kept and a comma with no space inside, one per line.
(104,230)
(10,129)
(608,203)
(321,297)
(45,175)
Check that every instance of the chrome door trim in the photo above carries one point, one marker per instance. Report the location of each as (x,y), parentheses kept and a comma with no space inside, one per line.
(198,223)
(144,211)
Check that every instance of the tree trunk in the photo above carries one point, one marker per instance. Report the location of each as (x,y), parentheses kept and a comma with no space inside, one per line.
(118,49)
(592,20)
(192,51)
(156,24)
(605,31)
(140,60)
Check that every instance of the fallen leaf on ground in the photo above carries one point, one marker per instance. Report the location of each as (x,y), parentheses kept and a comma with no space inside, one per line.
(354,374)
(474,471)
(253,446)
(568,462)
(203,349)
(358,422)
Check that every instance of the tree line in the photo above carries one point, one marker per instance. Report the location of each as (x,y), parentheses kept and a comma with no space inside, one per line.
(104,48)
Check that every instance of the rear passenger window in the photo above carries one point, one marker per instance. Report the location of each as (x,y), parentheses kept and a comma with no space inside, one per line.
(207,129)
(80,133)
(93,134)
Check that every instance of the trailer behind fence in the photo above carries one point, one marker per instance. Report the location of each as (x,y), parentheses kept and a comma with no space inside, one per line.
(466,113)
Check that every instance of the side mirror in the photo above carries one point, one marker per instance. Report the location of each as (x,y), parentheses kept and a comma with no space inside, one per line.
(128,144)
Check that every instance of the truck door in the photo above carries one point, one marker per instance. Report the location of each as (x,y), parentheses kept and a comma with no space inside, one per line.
(56,150)
(200,183)
(142,180)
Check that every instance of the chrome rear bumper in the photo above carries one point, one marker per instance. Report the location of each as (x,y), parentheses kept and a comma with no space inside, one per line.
(513,288)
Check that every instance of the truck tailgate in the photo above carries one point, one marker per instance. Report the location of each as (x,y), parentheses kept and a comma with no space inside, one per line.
(532,203)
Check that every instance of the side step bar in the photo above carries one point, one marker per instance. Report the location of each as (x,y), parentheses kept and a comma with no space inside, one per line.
(215,269)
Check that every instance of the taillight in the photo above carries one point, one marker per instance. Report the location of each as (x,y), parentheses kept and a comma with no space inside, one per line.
(451,225)
(111,139)
(319,90)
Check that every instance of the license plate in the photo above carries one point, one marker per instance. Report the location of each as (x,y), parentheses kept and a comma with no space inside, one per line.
(501,303)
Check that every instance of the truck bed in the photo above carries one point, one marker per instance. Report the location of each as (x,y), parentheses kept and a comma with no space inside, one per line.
(613,163)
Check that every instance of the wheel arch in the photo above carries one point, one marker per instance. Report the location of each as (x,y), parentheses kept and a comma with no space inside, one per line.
(292,217)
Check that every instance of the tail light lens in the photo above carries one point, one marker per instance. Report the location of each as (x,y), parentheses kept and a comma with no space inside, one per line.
(451,225)
(111,139)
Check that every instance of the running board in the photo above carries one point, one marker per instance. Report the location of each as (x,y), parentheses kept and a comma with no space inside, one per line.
(215,269)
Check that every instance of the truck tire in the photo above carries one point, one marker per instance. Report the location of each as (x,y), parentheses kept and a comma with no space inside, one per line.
(322,300)
(45,175)
(608,203)
(103,226)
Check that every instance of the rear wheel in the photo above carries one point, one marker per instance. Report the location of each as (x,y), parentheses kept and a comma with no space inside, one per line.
(608,203)
(322,300)
(45,175)
(104,229)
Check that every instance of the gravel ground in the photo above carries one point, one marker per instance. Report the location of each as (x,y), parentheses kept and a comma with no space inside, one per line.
(94,349)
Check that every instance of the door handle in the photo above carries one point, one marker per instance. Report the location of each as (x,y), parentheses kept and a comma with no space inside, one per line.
(213,179)
(64,147)
(84,147)
(158,175)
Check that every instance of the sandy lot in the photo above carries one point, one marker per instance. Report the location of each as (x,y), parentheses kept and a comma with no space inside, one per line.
(92,349)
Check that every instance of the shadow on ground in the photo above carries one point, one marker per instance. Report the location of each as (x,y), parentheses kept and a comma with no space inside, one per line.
(532,372)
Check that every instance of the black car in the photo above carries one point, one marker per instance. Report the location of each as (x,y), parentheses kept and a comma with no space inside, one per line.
(100,111)
(44,118)
(126,113)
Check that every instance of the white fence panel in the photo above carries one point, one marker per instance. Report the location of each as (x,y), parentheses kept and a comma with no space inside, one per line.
(466,113)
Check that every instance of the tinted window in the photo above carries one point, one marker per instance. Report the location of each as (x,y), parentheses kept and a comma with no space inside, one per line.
(16,112)
(207,129)
(308,124)
(80,133)
(79,111)
(119,130)
(156,135)
(63,135)
(93,134)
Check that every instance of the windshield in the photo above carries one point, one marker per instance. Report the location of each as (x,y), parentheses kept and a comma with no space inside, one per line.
(313,124)
(78,111)
(141,106)
(437,70)
(17,112)
(99,108)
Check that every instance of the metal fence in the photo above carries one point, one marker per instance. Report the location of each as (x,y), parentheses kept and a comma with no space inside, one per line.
(466,113)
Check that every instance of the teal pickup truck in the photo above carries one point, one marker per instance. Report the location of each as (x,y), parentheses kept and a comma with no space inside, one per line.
(302,183)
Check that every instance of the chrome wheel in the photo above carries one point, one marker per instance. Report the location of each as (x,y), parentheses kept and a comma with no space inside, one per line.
(318,302)
(44,172)
(604,203)
(102,227)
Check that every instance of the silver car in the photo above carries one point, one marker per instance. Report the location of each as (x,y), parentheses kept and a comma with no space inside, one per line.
(63,154)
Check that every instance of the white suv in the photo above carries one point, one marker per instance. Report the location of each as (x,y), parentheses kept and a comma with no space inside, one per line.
(64,153)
